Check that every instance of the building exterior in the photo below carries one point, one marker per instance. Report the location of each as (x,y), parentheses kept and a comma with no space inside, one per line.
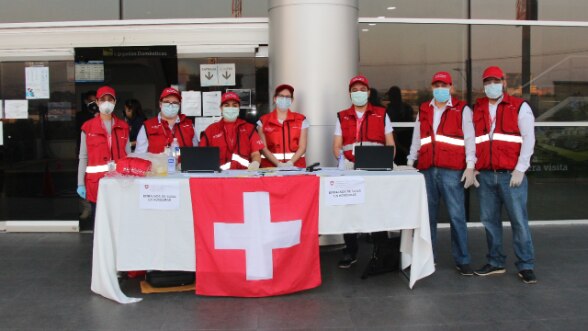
(141,46)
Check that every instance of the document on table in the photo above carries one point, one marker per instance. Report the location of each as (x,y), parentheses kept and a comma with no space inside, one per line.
(344,190)
(159,195)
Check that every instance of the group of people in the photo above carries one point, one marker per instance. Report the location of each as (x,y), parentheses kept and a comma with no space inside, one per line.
(489,147)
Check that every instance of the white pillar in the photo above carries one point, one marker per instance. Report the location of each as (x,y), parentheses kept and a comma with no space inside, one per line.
(314,46)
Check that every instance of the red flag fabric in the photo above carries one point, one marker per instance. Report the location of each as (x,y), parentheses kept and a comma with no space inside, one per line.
(256,237)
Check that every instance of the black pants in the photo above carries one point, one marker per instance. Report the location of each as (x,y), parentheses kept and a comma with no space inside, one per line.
(88,224)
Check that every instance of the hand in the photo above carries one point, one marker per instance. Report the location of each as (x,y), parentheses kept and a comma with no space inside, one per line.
(516,178)
(349,165)
(282,164)
(289,164)
(410,163)
(253,165)
(81,191)
(476,183)
(469,177)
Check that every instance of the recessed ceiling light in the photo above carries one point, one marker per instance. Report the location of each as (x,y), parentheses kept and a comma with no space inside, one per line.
(391,8)
(372,24)
(365,30)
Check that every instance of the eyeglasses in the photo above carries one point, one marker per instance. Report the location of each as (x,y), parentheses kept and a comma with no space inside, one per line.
(284,96)
(171,103)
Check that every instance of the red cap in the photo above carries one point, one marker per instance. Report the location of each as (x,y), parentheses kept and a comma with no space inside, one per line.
(230,96)
(494,72)
(170,91)
(442,76)
(281,87)
(104,90)
(359,79)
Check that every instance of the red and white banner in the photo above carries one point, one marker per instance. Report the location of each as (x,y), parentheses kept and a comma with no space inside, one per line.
(256,237)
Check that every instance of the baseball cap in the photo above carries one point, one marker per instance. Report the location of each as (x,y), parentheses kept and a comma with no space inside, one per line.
(359,79)
(442,76)
(281,87)
(104,90)
(494,72)
(170,91)
(230,96)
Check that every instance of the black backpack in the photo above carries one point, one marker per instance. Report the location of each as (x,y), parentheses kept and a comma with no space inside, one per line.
(385,256)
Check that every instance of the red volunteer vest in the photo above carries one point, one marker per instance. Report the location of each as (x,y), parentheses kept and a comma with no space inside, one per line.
(160,136)
(371,130)
(99,153)
(238,155)
(446,148)
(502,151)
(282,139)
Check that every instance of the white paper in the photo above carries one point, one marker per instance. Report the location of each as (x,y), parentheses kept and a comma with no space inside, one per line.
(191,105)
(16,109)
(226,74)
(92,71)
(37,82)
(1,110)
(160,195)
(211,103)
(201,123)
(345,190)
(1,131)
(208,75)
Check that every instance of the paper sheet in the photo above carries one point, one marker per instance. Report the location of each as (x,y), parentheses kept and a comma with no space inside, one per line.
(191,105)
(201,123)
(211,103)
(37,82)
(16,109)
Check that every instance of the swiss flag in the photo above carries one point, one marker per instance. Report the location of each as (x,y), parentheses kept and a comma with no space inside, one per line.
(256,237)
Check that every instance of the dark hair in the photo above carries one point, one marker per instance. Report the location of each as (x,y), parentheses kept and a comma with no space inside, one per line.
(88,94)
(395,97)
(135,106)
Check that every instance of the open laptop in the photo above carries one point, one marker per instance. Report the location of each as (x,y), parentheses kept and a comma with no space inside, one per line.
(200,159)
(374,158)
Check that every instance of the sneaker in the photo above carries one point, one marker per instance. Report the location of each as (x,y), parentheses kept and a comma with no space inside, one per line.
(347,261)
(528,276)
(464,269)
(489,270)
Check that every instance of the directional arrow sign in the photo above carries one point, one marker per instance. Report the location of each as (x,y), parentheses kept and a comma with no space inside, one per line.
(226,74)
(209,75)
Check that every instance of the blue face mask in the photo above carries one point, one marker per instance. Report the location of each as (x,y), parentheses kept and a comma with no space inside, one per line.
(359,98)
(493,91)
(441,94)
(230,114)
(283,103)
(169,109)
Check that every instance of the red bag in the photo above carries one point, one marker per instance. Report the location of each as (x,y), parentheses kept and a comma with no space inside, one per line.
(133,166)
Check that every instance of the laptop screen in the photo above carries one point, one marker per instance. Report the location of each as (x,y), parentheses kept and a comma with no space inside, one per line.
(200,159)
(374,157)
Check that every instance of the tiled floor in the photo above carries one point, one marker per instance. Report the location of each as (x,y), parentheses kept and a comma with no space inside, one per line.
(45,285)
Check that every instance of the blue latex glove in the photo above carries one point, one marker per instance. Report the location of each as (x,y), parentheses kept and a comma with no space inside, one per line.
(81,191)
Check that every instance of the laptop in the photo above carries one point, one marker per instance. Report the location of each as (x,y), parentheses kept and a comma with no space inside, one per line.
(374,158)
(200,159)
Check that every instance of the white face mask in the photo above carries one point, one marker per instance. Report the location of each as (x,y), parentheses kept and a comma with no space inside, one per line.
(106,108)
(283,103)
(493,91)
(359,98)
(230,114)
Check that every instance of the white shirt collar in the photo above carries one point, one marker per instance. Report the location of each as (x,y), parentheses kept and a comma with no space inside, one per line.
(447,105)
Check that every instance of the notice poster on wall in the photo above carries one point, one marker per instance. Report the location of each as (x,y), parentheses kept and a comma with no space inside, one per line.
(191,104)
(211,103)
(37,83)
(16,109)
(201,123)
(90,71)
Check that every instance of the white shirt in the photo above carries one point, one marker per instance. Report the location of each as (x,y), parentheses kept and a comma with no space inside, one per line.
(143,141)
(526,122)
(387,124)
(467,126)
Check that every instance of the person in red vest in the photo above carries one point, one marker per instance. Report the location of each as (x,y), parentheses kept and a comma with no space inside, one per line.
(443,143)
(505,138)
(283,132)
(361,124)
(104,140)
(159,132)
(239,143)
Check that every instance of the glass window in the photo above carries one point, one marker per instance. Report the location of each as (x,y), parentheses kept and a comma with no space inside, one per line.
(58,10)
(411,8)
(140,9)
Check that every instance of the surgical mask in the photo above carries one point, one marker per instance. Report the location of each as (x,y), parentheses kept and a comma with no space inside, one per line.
(283,103)
(493,91)
(230,113)
(441,94)
(106,108)
(359,98)
(170,109)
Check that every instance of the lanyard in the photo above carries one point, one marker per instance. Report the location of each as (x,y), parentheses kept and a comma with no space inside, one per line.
(108,135)
(358,123)
(173,131)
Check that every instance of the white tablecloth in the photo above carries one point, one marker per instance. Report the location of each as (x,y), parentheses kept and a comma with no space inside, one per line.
(129,238)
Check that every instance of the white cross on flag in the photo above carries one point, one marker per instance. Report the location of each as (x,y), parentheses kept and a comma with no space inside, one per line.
(256,236)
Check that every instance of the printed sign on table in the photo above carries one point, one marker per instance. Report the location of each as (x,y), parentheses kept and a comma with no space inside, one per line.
(345,190)
(155,194)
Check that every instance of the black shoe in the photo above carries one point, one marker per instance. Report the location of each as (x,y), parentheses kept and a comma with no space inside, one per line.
(347,261)
(464,269)
(528,276)
(489,270)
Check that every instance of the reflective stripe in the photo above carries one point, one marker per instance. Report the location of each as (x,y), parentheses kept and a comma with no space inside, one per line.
(425,141)
(226,166)
(279,156)
(96,169)
(348,147)
(508,138)
(482,139)
(240,160)
(449,140)
(368,143)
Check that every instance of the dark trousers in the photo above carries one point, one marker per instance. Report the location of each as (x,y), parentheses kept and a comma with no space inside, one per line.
(351,246)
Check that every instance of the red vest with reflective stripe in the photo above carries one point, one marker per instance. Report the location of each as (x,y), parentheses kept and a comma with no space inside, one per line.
(215,136)
(98,152)
(282,138)
(372,128)
(502,152)
(160,136)
(446,148)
